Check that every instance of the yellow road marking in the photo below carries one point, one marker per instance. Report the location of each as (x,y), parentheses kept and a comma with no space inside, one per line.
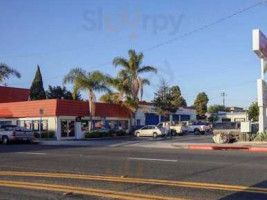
(83,191)
(212,186)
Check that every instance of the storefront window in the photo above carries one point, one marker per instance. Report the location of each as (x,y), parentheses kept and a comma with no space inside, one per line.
(36,125)
(28,124)
(84,125)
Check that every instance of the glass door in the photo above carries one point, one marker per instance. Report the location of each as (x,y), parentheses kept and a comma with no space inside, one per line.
(67,128)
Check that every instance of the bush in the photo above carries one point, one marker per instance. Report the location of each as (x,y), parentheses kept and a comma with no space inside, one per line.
(45,134)
(261,137)
(101,133)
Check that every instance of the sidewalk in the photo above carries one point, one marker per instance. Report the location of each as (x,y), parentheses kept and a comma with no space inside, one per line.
(245,146)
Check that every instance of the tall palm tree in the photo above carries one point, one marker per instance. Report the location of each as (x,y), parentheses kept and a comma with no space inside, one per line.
(6,72)
(131,72)
(88,81)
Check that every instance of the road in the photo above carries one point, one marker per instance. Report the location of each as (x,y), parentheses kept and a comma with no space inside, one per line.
(121,171)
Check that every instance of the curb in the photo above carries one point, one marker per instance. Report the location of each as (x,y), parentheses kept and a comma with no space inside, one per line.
(215,147)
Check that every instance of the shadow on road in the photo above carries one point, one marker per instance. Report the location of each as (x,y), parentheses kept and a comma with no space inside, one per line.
(247,195)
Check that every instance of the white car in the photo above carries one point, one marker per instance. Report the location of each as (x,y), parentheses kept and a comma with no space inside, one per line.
(150,130)
(9,133)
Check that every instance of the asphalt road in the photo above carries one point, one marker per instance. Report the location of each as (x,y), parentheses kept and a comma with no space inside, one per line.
(113,172)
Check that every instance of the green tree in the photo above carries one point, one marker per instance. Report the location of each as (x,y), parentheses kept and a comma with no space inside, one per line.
(58,92)
(216,108)
(37,89)
(200,105)
(113,97)
(130,76)
(6,72)
(88,81)
(178,99)
(253,112)
(164,100)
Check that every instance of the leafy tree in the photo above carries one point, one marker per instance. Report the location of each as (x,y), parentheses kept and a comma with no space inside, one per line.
(164,100)
(216,108)
(200,105)
(58,92)
(253,112)
(88,81)
(131,83)
(6,72)
(213,117)
(111,98)
(178,100)
(37,89)
(77,96)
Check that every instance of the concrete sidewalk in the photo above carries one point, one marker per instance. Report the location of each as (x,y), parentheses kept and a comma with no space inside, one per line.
(245,146)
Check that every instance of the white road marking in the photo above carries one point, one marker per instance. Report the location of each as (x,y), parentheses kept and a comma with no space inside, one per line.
(152,159)
(31,153)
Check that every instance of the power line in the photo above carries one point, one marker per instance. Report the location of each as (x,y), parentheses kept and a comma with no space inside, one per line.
(190,32)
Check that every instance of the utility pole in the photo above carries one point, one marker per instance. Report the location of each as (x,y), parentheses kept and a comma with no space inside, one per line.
(223,96)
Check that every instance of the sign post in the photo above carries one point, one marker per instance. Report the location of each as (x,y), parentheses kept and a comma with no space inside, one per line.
(41,111)
(260,48)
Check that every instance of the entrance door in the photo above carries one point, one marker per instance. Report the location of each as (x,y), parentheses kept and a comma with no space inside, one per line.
(67,128)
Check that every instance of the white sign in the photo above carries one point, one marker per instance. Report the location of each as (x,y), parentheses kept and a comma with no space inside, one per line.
(262,92)
(259,43)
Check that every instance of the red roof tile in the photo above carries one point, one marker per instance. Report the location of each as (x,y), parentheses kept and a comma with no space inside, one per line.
(59,107)
(9,94)
(111,110)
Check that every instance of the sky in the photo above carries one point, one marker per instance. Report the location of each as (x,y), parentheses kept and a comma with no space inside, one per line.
(59,35)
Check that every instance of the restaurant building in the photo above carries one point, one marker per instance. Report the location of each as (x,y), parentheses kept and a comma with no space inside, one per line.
(68,119)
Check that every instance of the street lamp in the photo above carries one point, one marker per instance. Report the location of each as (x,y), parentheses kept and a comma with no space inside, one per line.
(41,111)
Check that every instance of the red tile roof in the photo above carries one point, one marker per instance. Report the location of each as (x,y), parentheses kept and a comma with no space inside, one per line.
(9,94)
(111,110)
(59,107)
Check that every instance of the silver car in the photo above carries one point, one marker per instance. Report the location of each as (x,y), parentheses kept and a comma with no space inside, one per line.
(149,131)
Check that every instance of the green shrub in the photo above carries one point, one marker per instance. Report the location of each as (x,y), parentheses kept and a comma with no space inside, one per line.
(101,133)
(45,134)
(261,137)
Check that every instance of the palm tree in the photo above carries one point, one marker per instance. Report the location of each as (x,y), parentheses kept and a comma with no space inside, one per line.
(130,78)
(88,81)
(6,72)
(113,97)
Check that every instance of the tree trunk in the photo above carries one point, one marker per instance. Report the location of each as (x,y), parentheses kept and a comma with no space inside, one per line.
(91,110)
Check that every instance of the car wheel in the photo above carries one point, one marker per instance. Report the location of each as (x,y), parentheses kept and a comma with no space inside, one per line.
(5,140)
(196,131)
(155,135)
(137,134)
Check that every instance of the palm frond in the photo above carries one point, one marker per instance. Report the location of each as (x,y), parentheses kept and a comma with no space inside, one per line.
(6,72)
(73,74)
(147,69)
(120,61)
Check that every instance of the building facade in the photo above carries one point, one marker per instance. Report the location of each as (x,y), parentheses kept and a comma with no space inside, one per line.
(147,115)
(69,119)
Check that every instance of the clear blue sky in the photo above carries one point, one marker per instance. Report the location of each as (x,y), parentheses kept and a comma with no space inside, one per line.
(63,34)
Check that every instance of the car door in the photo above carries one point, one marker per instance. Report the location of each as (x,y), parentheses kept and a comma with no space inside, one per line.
(150,131)
(143,131)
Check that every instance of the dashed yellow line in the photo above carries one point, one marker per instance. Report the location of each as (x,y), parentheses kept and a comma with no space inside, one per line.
(82,190)
(198,185)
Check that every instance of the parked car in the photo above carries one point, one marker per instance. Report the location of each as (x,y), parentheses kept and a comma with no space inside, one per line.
(9,133)
(150,130)
(197,127)
(176,128)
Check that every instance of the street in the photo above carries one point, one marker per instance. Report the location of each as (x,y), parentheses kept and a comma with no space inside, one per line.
(117,169)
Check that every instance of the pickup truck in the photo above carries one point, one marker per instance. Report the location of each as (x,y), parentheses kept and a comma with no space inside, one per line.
(9,133)
(197,127)
(176,128)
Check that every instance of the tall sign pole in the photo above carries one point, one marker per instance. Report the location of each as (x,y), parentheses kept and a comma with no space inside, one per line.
(260,48)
